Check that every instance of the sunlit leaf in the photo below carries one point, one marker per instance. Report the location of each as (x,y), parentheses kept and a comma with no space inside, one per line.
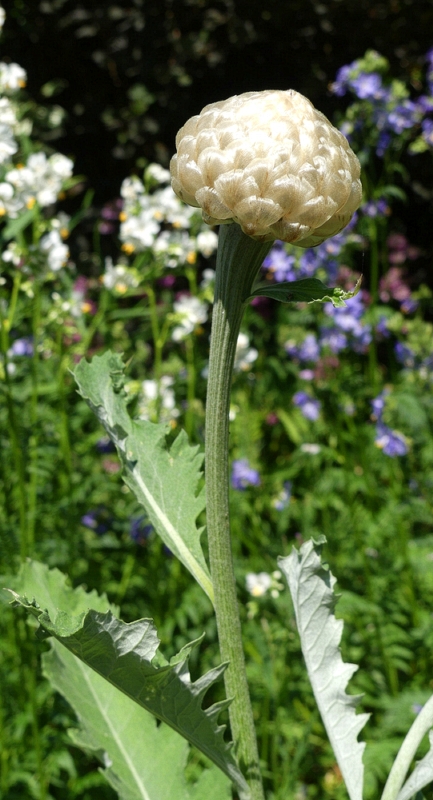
(163,476)
(309,290)
(311,586)
(127,658)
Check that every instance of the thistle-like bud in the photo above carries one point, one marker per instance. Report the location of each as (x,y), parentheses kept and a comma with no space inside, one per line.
(270,162)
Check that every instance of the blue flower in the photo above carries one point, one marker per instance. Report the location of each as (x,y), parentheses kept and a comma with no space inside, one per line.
(378,404)
(139,530)
(307,351)
(392,443)
(105,445)
(427,131)
(21,347)
(308,406)
(243,475)
(403,116)
(334,339)
(280,263)
(404,354)
(339,87)
(368,86)
(376,208)
(97,520)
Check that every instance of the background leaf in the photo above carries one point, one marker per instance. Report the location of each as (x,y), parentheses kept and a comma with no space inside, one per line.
(311,586)
(163,477)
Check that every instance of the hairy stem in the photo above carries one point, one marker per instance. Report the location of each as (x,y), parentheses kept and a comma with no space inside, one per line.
(239,259)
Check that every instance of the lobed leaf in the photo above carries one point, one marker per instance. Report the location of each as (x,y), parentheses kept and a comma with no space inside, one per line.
(163,477)
(309,290)
(127,656)
(311,586)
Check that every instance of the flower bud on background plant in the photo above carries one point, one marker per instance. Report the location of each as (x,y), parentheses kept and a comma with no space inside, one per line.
(270,162)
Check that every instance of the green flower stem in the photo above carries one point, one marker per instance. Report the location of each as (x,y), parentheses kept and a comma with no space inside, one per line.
(406,754)
(238,262)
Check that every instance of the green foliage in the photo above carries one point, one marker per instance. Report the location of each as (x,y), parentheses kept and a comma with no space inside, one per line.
(163,477)
(309,290)
(112,716)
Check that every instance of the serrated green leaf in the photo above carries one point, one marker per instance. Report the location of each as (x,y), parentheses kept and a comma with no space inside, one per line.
(142,761)
(127,656)
(309,290)
(311,586)
(163,477)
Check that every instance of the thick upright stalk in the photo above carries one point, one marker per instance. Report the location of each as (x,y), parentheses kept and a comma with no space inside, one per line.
(238,262)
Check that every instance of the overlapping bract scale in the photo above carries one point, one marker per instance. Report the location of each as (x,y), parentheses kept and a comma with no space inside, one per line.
(270,162)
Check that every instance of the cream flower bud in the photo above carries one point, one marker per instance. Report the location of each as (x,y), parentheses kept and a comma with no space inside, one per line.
(270,162)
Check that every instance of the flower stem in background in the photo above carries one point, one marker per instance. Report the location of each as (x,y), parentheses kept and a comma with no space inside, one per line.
(238,262)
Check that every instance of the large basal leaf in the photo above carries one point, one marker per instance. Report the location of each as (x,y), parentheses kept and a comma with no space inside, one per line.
(127,656)
(308,290)
(163,477)
(421,776)
(311,586)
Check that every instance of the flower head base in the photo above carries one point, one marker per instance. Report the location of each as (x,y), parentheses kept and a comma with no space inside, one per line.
(270,162)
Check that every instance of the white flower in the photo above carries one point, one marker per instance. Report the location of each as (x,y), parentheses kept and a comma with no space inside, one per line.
(177,246)
(311,448)
(8,145)
(258,583)
(270,162)
(191,312)
(119,278)
(157,400)
(12,77)
(2,17)
(158,173)
(131,188)
(207,278)
(56,251)
(139,231)
(244,355)
(7,113)
(207,243)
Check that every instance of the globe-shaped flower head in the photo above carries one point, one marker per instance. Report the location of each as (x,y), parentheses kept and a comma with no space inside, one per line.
(270,162)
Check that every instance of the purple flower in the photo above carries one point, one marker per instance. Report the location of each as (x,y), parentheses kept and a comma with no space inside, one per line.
(378,404)
(22,347)
(383,143)
(97,520)
(403,116)
(334,339)
(139,530)
(376,208)
(404,355)
(105,445)
(243,475)
(427,131)
(280,263)
(308,406)
(382,327)
(409,306)
(393,443)
(309,349)
(339,87)
(367,86)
